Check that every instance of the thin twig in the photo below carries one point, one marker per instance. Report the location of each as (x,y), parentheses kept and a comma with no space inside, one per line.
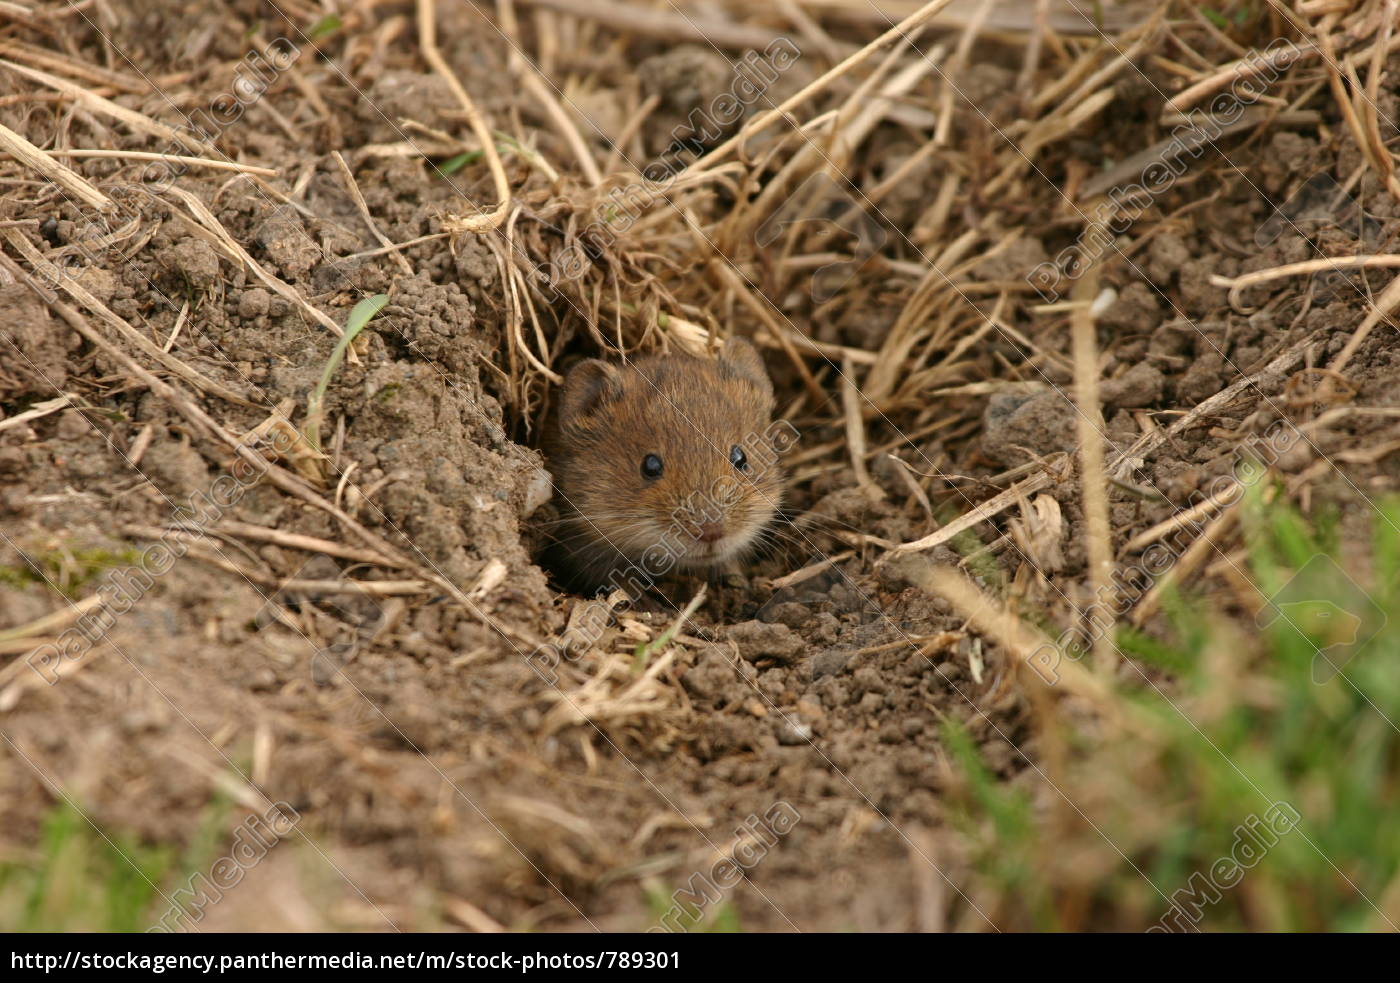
(484,221)
(1093,488)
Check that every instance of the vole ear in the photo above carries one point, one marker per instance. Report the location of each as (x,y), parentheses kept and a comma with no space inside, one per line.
(589,386)
(740,360)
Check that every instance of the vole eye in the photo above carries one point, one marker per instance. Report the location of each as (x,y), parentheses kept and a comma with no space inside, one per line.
(737,458)
(651,466)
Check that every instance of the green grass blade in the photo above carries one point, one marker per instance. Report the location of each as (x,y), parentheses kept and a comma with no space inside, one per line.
(360,315)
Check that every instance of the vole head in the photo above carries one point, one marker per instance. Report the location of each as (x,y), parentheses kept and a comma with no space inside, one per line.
(668,460)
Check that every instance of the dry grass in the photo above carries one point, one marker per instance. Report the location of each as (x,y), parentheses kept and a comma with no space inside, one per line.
(695,265)
(646,264)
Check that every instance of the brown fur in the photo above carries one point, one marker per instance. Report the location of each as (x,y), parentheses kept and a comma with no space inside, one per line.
(622,529)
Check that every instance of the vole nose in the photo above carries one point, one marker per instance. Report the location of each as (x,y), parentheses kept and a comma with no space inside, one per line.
(710,532)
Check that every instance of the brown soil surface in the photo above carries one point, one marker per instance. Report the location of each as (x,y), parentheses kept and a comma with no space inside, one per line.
(441,780)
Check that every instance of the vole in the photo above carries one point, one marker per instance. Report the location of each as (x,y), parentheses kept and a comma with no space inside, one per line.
(666,463)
